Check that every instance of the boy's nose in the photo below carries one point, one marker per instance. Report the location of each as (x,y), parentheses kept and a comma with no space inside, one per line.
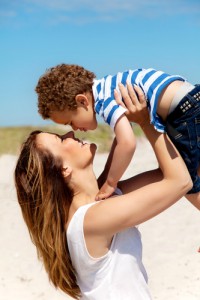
(74,127)
(69,134)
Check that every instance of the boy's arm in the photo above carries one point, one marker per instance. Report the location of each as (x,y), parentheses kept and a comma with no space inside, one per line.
(136,113)
(104,174)
(122,153)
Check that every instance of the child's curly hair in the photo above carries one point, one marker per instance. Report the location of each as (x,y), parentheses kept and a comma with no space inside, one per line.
(58,87)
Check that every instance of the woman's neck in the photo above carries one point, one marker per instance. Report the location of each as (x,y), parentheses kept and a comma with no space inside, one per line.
(85,187)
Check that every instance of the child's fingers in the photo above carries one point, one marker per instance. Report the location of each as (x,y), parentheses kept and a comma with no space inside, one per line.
(101,196)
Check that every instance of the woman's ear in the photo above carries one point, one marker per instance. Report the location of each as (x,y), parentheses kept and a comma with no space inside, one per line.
(66,171)
(82,100)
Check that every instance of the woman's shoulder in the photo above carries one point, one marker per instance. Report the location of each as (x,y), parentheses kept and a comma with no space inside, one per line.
(76,216)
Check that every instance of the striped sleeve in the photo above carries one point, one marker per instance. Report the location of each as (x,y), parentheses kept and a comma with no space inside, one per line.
(151,81)
(105,104)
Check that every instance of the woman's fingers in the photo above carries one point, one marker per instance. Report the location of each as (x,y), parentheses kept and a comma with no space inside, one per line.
(135,102)
(141,96)
(128,97)
(118,98)
(133,94)
(137,96)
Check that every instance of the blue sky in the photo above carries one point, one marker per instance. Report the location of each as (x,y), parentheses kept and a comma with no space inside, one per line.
(103,36)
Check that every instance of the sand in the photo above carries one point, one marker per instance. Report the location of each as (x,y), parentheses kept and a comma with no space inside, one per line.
(170,243)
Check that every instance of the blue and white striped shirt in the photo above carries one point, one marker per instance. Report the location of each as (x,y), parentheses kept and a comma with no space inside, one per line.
(152,83)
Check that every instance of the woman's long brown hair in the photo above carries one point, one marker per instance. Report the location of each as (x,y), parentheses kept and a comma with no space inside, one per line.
(45,198)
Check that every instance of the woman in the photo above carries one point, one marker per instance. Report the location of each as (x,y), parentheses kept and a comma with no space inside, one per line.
(92,250)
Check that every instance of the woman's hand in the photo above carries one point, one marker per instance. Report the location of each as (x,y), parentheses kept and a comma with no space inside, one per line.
(135,101)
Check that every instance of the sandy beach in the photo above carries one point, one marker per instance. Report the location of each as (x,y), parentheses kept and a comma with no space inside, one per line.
(170,243)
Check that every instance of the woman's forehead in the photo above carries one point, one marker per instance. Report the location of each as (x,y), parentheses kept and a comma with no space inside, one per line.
(46,138)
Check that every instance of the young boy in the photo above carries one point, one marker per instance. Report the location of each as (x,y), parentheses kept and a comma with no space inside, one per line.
(70,94)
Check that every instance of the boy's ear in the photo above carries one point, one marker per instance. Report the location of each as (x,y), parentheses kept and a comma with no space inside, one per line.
(66,171)
(82,100)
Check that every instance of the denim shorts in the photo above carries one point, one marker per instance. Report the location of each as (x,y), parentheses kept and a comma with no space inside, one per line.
(183,128)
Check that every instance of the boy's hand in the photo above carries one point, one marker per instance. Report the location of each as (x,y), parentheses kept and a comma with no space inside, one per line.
(134,101)
(105,191)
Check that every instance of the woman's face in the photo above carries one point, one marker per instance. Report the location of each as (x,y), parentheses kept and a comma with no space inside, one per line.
(74,152)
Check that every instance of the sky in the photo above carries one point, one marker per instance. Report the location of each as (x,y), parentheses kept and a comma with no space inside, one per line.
(104,36)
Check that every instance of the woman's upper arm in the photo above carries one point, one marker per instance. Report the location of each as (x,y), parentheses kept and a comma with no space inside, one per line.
(118,213)
(140,180)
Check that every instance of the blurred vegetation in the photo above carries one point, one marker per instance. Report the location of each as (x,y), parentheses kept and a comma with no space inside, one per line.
(11,138)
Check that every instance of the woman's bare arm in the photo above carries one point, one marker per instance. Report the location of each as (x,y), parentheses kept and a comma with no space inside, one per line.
(148,200)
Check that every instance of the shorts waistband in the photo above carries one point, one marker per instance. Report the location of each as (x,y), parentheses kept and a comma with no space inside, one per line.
(188,102)
(185,88)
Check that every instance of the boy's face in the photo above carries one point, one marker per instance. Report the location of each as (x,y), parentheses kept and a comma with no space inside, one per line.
(82,118)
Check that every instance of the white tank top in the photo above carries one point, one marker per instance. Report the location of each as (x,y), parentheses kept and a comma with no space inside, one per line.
(118,275)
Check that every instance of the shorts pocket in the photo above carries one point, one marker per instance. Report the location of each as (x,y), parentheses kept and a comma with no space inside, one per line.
(184,135)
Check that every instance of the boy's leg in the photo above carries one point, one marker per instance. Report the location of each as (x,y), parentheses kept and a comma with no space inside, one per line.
(194,198)
(183,127)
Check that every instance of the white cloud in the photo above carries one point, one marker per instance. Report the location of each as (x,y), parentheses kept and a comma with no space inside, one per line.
(101,10)
(132,6)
